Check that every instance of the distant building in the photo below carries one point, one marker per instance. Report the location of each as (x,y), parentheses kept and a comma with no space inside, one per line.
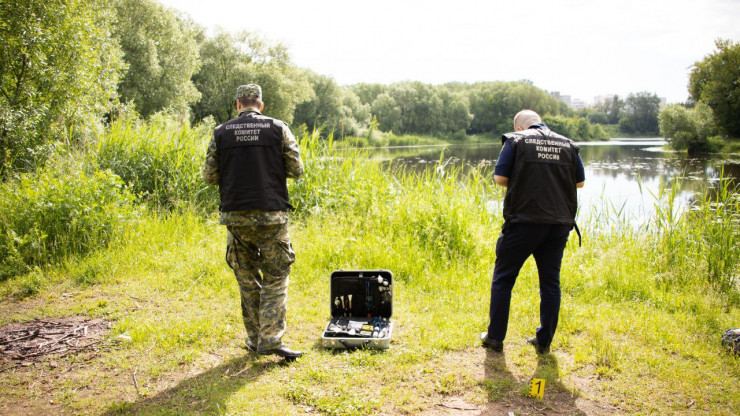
(563,98)
(602,99)
(577,104)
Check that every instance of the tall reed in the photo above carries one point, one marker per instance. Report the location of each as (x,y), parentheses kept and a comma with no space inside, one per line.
(161,160)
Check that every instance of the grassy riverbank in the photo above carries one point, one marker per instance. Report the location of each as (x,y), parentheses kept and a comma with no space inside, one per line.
(612,131)
(391,140)
(730,146)
(640,324)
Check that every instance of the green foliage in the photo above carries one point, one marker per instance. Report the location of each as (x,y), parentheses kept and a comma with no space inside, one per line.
(58,74)
(598,117)
(221,71)
(161,53)
(160,160)
(283,87)
(425,213)
(384,107)
(641,114)
(715,80)
(324,108)
(229,60)
(332,108)
(165,285)
(612,108)
(576,128)
(417,108)
(495,104)
(59,210)
(703,244)
(355,115)
(688,128)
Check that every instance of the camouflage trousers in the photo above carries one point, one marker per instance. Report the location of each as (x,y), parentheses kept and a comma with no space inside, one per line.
(260,256)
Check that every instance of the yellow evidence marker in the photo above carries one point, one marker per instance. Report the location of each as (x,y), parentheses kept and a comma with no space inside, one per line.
(537,387)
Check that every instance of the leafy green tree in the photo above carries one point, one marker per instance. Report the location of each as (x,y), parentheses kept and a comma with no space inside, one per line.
(456,116)
(58,69)
(688,129)
(162,56)
(387,112)
(221,70)
(563,125)
(421,107)
(369,92)
(283,87)
(584,128)
(355,115)
(640,114)
(229,60)
(593,115)
(494,104)
(715,80)
(324,107)
(612,108)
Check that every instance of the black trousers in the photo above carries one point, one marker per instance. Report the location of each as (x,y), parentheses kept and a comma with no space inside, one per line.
(546,242)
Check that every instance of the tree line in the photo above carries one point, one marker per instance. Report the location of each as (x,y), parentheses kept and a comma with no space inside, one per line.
(710,117)
(70,66)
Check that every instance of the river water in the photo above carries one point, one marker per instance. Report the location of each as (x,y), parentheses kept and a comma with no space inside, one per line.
(623,176)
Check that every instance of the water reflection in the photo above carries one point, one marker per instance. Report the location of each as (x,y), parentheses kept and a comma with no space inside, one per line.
(623,177)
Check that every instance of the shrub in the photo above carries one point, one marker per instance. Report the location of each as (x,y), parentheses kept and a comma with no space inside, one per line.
(576,128)
(59,210)
(161,160)
(688,129)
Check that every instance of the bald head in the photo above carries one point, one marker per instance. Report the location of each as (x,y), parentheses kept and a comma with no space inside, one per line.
(526,118)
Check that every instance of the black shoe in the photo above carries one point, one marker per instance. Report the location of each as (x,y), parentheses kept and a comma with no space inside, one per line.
(491,344)
(250,346)
(282,351)
(540,349)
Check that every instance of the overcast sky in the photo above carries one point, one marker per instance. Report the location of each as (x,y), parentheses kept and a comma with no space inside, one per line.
(582,48)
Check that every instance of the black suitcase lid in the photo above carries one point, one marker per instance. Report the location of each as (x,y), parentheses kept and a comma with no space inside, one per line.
(371,291)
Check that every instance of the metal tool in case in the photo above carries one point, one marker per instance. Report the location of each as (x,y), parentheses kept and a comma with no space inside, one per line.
(364,324)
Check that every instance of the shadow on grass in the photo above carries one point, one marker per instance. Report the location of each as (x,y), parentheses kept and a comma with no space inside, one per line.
(206,392)
(558,399)
(507,394)
(499,381)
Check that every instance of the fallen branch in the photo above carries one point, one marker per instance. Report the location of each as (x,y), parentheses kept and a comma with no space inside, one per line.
(31,335)
(456,407)
(136,383)
(191,286)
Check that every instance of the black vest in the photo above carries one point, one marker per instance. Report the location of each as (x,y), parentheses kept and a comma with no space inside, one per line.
(251,167)
(542,186)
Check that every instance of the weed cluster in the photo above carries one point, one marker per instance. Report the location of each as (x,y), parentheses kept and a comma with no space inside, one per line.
(60,209)
(160,160)
(704,242)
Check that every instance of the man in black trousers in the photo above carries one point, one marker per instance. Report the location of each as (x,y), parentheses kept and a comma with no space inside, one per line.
(541,170)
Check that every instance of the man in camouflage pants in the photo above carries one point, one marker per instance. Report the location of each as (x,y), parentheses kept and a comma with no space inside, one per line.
(249,158)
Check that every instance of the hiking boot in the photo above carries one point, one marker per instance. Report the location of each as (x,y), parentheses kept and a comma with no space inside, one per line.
(250,346)
(540,349)
(491,344)
(284,352)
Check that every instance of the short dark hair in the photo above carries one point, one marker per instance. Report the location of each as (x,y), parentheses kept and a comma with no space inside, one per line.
(250,102)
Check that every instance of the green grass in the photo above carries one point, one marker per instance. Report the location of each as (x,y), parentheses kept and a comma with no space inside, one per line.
(612,131)
(730,145)
(641,319)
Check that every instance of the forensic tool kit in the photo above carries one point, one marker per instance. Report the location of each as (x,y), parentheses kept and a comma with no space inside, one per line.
(361,308)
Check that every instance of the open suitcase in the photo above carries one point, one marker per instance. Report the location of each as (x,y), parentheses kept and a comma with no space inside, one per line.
(361,307)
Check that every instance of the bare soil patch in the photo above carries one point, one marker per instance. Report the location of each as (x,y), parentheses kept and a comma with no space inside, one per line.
(23,343)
